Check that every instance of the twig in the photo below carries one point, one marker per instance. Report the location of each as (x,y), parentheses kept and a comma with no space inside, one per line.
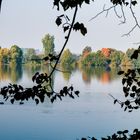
(104,10)
(136,21)
(59,69)
(123,15)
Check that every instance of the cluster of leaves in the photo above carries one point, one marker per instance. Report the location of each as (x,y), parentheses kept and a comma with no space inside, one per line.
(66,26)
(120,135)
(66,4)
(42,88)
(50,58)
(131,86)
(124,2)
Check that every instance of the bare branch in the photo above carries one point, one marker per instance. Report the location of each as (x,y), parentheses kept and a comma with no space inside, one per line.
(135,19)
(104,10)
(117,13)
(59,69)
(123,16)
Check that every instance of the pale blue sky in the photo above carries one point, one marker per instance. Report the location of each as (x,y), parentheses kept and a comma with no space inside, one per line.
(25,22)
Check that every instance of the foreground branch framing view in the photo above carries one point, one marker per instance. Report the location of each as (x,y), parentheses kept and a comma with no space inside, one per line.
(51,94)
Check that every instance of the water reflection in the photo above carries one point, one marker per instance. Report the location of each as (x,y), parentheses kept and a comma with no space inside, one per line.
(103,74)
(14,73)
(31,70)
(67,72)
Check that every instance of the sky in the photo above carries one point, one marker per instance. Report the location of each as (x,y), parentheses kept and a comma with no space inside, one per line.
(25,23)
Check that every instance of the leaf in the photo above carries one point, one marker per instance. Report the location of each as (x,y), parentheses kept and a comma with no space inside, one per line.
(71,88)
(59,97)
(12,100)
(58,21)
(83,139)
(125,131)
(135,131)
(134,88)
(1,103)
(46,58)
(20,87)
(133,3)
(135,54)
(125,90)
(56,3)
(81,27)
(120,72)
(115,101)
(21,103)
(83,31)
(123,81)
(138,71)
(93,138)
(87,1)
(126,3)
(138,83)
(119,132)
(52,100)
(71,96)
(76,26)
(77,93)
(132,95)
(127,102)
(37,101)
(122,104)
(125,109)
(34,77)
(66,28)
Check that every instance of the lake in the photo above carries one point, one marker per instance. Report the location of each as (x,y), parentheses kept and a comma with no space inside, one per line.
(91,114)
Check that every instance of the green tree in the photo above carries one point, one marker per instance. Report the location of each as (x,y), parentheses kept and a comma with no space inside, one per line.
(31,57)
(67,58)
(116,57)
(16,54)
(48,44)
(86,51)
(126,61)
(4,55)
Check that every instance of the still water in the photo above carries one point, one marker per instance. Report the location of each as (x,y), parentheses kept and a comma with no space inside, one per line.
(91,114)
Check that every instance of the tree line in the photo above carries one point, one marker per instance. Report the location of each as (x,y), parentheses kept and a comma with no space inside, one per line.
(18,55)
(104,57)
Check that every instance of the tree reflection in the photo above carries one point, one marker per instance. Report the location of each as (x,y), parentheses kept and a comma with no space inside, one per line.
(15,72)
(103,74)
(4,72)
(67,72)
(12,72)
(31,70)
